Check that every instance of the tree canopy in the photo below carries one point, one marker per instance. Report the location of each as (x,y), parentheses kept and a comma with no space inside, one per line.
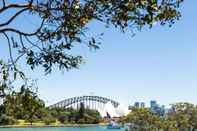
(180,117)
(24,104)
(63,24)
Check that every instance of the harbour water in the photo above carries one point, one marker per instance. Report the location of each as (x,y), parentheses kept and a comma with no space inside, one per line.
(96,128)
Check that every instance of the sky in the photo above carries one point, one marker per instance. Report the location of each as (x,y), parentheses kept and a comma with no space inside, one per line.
(158,64)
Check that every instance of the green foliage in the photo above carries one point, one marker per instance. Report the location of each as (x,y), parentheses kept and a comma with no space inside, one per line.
(185,115)
(64,25)
(23,105)
(26,105)
(143,119)
(81,121)
(7,120)
(81,111)
(182,117)
(87,116)
(81,116)
(92,116)
(49,120)
(8,74)
(62,118)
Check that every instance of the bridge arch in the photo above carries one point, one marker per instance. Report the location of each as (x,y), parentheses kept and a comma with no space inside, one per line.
(92,102)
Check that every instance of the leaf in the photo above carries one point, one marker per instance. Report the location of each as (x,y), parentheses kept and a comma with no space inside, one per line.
(22,75)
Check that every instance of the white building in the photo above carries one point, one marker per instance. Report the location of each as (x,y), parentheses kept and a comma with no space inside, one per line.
(112,111)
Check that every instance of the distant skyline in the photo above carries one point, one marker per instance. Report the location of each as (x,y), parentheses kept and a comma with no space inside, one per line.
(158,64)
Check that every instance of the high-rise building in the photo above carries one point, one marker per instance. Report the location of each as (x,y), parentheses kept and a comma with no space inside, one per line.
(153,104)
(155,108)
(142,105)
(137,104)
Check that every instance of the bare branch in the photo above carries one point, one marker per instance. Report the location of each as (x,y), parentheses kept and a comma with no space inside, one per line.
(21,41)
(34,45)
(20,32)
(15,61)
(3,3)
(10,48)
(17,31)
(13,17)
(11,6)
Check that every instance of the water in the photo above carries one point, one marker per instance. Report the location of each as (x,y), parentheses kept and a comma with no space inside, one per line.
(96,128)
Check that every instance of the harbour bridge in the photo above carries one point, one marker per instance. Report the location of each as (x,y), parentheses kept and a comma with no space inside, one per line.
(91,102)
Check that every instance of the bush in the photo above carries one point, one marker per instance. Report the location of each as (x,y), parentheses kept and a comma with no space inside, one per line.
(49,120)
(7,120)
(62,119)
(81,121)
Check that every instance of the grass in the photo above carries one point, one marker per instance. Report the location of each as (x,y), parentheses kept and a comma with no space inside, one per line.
(23,123)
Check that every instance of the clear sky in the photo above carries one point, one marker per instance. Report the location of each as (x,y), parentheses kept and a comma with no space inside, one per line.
(158,64)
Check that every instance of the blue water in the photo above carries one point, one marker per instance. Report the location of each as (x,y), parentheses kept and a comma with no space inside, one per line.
(97,128)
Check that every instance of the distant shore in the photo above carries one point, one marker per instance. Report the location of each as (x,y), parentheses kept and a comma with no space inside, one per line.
(46,126)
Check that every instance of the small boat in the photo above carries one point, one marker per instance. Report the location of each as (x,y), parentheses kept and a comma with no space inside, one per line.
(113,125)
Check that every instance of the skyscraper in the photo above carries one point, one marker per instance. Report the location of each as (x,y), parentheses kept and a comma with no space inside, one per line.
(142,104)
(153,104)
(155,108)
(137,104)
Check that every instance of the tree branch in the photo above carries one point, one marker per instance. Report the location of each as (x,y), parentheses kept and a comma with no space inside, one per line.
(21,41)
(14,6)
(22,33)
(34,45)
(13,17)
(3,3)
(10,49)
(17,31)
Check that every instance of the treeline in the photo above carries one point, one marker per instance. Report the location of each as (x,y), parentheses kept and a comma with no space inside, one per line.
(26,105)
(181,117)
(73,116)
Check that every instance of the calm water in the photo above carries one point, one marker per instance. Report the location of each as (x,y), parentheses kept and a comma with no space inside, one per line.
(99,128)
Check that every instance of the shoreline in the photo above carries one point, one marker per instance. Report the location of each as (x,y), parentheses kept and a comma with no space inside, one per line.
(52,126)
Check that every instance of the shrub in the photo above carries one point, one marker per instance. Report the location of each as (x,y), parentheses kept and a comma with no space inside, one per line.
(62,119)
(81,121)
(7,120)
(49,120)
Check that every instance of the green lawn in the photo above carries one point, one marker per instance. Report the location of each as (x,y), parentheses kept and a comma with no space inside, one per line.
(37,123)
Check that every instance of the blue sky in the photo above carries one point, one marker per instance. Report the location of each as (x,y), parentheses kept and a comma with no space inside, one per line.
(158,64)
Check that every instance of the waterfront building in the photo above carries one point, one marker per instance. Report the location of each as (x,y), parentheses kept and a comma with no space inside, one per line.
(143,105)
(153,104)
(137,105)
(156,108)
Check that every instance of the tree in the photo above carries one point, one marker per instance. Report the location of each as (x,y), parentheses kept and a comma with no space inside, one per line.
(87,116)
(169,125)
(31,105)
(81,110)
(80,116)
(142,119)
(92,116)
(63,24)
(23,105)
(185,116)
(6,120)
